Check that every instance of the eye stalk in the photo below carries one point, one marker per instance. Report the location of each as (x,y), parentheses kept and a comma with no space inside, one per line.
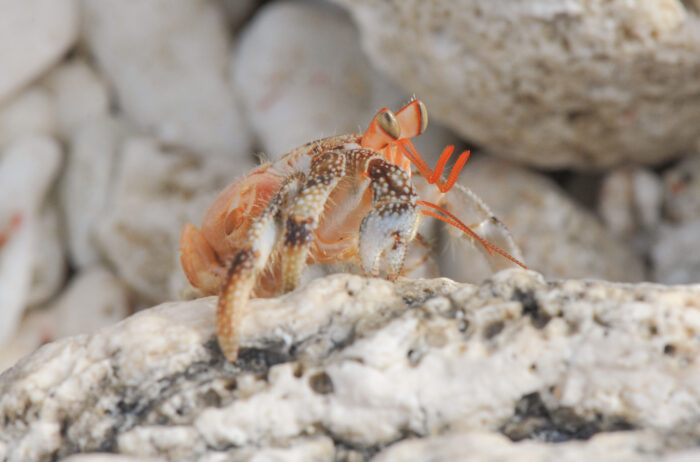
(387,127)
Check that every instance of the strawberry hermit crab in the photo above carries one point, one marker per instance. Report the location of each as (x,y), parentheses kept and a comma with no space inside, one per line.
(344,199)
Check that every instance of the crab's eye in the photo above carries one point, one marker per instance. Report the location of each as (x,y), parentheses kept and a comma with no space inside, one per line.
(423,111)
(387,121)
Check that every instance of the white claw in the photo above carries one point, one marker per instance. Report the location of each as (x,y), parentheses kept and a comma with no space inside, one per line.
(386,231)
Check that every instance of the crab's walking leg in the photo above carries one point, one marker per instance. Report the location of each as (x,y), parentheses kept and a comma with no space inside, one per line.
(461,206)
(303,215)
(393,221)
(490,228)
(246,265)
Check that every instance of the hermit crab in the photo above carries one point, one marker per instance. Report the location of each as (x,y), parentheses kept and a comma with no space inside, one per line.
(345,199)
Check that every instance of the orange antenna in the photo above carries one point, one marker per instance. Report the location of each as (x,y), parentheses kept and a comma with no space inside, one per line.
(450,219)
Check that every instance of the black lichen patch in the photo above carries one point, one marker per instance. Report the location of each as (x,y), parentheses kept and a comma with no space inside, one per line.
(168,400)
(260,360)
(493,329)
(414,356)
(346,451)
(321,383)
(463,325)
(531,307)
(533,420)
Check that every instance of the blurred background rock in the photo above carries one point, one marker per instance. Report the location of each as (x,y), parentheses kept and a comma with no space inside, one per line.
(121,120)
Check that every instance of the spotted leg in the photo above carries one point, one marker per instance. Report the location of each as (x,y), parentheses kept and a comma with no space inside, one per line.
(245,267)
(302,217)
(393,221)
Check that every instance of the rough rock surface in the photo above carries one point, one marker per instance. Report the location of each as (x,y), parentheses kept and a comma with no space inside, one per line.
(237,11)
(28,114)
(80,95)
(658,215)
(31,261)
(357,368)
(486,447)
(558,237)
(94,299)
(580,83)
(87,183)
(630,201)
(674,254)
(682,190)
(33,35)
(169,70)
(313,84)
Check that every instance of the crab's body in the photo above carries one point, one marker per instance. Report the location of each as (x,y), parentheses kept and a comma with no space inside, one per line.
(344,199)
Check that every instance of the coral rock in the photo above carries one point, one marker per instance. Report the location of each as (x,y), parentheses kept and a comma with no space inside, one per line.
(557,236)
(33,35)
(579,83)
(169,70)
(314,83)
(355,367)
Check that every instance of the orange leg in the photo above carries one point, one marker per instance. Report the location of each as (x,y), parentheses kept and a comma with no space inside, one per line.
(247,264)
(454,221)
(433,177)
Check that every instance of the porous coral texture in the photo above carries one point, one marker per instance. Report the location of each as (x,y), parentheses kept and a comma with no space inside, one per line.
(581,83)
(354,367)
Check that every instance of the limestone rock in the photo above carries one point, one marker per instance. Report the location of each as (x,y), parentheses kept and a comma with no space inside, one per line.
(15,271)
(630,201)
(582,84)
(630,206)
(32,256)
(169,70)
(237,11)
(86,184)
(105,457)
(93,299)
(557,237)
(302,76)
(49,262)
(659,216)
(682,190)
(80,94)
(30,113)
(468,446)
(33,35)
(673,253)
(359,368)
